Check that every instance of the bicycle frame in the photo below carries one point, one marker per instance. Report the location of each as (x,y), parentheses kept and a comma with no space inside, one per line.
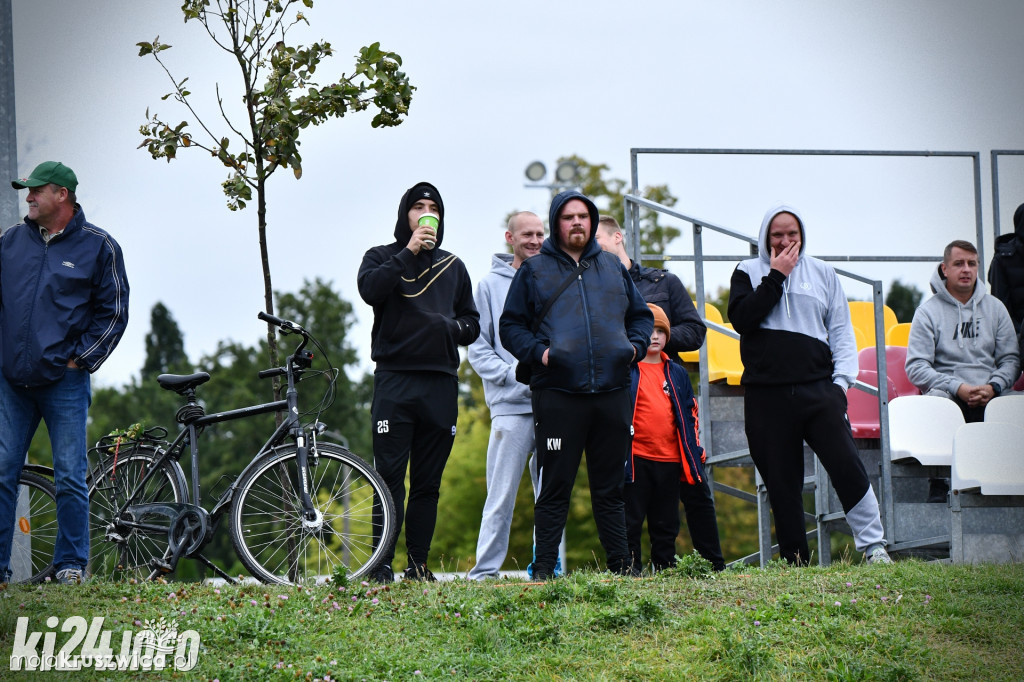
(291,426)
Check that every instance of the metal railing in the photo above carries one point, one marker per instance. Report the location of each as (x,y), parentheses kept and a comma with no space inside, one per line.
(633,202)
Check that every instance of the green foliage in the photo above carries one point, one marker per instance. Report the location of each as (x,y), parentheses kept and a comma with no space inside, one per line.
(288,100)
(165,345)
(692,565)
(654,235)
(903,299)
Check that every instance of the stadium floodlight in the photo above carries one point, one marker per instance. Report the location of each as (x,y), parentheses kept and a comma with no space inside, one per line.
(536,171)
(566,172)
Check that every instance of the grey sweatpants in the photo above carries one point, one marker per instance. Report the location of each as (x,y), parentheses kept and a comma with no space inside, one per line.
(509,448)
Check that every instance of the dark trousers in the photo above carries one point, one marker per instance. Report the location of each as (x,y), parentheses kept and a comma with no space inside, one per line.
(566,424)
(652,494)
(778,421)
(701,522)
(414,416)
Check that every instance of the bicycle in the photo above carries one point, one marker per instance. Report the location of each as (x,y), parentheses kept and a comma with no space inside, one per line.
(299,512)
(35,525)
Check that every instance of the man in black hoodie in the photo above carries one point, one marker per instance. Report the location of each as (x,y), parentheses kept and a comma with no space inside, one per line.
(423,311)
(1006,275)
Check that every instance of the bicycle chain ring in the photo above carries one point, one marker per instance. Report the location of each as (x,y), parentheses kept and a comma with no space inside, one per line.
(187,531)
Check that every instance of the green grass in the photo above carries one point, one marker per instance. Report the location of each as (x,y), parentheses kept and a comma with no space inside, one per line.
(910,621)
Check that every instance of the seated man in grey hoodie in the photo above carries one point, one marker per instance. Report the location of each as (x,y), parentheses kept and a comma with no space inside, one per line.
(962,342)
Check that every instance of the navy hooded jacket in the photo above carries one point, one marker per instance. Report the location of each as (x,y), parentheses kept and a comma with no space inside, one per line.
(66,299)
(595,329)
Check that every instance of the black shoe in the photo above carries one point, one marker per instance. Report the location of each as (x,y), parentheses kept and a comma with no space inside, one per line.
(382,574)
(419,572)
(938,489)
(542,573)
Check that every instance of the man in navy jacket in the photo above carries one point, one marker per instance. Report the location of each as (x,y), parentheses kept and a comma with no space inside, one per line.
(63,309)
(580,356)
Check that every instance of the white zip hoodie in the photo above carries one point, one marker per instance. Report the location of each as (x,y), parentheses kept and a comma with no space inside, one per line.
(953,343)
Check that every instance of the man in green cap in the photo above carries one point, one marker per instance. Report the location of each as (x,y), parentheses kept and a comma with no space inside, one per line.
(63,308)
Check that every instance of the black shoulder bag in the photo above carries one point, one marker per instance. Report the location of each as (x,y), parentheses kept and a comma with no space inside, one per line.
(524,370)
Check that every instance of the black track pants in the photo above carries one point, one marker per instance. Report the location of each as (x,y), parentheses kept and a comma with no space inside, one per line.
(566,425)
(414,416)
(778,421)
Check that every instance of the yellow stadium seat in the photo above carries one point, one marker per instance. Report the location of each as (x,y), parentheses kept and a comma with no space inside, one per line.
(724,357)
(898,334)
(862,314)
(711,314)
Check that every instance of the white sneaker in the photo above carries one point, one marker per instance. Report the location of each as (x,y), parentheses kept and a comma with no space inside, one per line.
(878,556)
(70,576)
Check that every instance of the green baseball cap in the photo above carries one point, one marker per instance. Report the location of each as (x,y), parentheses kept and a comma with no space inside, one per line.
(48,172)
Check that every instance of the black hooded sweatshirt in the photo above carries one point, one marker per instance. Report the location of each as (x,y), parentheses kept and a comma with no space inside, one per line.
(423,306)
(1006,275)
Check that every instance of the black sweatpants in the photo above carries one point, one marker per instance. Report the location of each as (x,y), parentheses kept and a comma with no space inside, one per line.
(701,521)
(414,415)
(566,424)
(652,494)
(778,421)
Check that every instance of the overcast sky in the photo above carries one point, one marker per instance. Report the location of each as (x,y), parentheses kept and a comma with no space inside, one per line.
(503,84)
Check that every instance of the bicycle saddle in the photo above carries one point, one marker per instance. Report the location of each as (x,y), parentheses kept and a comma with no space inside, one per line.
(179,383)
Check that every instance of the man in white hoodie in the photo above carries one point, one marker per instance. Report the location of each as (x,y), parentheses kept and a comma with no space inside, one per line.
(962,342)
(512,435)
(799,358)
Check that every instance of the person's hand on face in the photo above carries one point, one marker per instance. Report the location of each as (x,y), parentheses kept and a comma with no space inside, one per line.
(785,260)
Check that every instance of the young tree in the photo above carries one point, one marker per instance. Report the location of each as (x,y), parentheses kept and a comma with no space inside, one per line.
(253,32)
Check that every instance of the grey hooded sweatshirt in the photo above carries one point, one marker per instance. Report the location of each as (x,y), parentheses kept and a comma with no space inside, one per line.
(489,359)
(953,343)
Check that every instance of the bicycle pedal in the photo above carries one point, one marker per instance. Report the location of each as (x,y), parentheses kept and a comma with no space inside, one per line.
(161,565)
(115,537)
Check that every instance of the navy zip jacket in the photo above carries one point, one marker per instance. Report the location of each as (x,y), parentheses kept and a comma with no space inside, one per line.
(684,409)
(66,299)
(423,307)
(596,328)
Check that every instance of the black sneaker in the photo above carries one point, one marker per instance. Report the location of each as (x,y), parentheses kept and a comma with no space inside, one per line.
(420,573)
(542,574)
(382,574)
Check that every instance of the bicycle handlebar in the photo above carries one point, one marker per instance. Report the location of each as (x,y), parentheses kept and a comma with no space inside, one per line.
(286,326)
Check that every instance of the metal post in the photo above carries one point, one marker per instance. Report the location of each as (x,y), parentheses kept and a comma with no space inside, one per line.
(9,213)
(21,542)
(979,228)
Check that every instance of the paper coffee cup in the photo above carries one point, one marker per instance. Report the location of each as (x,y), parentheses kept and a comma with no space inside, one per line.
(431,221)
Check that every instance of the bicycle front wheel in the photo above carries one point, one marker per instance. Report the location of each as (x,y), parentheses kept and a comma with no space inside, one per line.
(123,544)
(35,528)
(354,524)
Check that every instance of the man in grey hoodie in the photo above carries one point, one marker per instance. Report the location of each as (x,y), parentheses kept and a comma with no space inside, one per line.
(512,438)
(962,342)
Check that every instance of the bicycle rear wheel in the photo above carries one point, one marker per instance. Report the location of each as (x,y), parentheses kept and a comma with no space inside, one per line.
(119,548)
(35,529)
(355,517)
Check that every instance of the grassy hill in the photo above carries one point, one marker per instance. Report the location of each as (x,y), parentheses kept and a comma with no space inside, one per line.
(910,621)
